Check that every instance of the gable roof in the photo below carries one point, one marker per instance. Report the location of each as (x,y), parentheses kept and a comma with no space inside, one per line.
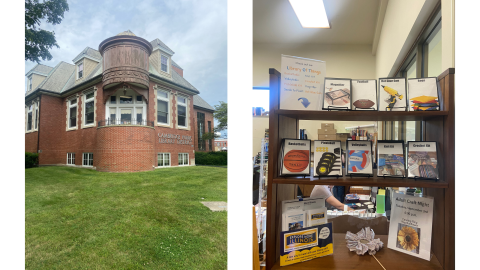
(89,53)
(200,103)
(57,78)
(176,65)
(158,43)
(40,69)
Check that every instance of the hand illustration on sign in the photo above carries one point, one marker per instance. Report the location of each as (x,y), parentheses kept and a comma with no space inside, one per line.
(304,102)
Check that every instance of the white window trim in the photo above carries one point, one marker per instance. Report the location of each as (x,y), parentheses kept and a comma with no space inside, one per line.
(169,160)
(70,158)
(68,112)
(187,112)
(168,63)
(30,83)
(84,102)
(77,69)
(168,108)
(83,159)
(170,102)
(188,159)
(134,106)
(28,110)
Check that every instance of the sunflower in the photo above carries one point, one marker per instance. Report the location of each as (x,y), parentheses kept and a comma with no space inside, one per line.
(408,238)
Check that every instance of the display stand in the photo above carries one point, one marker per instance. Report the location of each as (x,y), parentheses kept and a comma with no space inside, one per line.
(438,126)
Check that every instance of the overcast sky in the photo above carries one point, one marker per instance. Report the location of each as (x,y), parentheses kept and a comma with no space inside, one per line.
(195,30)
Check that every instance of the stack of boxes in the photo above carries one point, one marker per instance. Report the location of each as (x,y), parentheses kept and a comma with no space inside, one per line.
(328,132)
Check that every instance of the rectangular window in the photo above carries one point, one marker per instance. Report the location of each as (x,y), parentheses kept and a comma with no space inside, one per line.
(139,112)
(126,99)
(70,158)
(126,116)
(164,63)
(89,108)
(163,159)
(182,159)
(30,83)
(29,117)
(210,131)
(139,99)
(36,118)
(80,71)
(182,111)
(201,130)
(87,159)
(72,113)
(113,115)
(113,99)
(162,107)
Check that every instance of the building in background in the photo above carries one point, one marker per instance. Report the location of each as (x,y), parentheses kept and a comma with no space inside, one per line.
(221,144)
(204,123)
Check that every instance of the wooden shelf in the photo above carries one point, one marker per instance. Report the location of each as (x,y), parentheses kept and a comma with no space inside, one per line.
(342,258)
(361,181)
(361,115)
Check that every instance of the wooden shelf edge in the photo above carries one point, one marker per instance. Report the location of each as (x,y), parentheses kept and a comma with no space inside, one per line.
(362,181)
(361,115)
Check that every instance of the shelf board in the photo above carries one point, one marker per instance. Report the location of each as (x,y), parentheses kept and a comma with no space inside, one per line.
(342,258)
(361,115)
(361,181)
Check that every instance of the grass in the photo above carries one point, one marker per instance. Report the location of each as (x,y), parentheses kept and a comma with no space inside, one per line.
(83,219)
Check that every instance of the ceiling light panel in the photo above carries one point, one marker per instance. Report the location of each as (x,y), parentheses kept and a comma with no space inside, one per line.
(310,13)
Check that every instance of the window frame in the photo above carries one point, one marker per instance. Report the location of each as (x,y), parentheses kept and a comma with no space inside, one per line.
(71,157)
(69,106)
(30,84)
(134,106)
(186,111)
(169,159)
(209,126)
(84,107)
(78,70)
(88,159)
(167,64)
(183,158)
(167,99)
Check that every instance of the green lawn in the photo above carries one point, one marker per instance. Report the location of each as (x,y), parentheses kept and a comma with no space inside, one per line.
(83,219)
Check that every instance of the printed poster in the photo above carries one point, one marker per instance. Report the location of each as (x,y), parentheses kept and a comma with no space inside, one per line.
(422,160)
(391,159)
(302,83)
(423,94)
(327,158)
(359,157)
(392,94)
(296,157)
(364,94)
(306,244)
(337,94)
(410,230)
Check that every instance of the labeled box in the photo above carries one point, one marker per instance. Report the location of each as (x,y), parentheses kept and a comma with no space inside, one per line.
(329,131)
(327,125)
(342,137)
(330,137)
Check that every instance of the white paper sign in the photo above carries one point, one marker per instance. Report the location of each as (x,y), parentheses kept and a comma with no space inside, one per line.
(296,157)
(422,160)
(359,157)
(423,94)
(391,160)
(327,158)
(364,94)
(392,94)
(302,83)
(337,94)
(411,225)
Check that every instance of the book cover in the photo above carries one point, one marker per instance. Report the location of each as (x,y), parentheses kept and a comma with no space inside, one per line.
(327,158)
(391,159)
(307,244)
(422,160)
(364,94)
(359,157)
(295,157)
(316,216)
(423,94)
(337,94)
(410,230)
(392,94)
(294,220)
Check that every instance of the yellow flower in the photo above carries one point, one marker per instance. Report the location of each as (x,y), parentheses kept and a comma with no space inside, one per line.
(408,238)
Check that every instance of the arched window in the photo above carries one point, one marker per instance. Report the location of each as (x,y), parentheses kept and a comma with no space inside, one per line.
(126,107)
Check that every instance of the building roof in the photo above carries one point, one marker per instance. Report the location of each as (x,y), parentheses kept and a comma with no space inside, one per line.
(126,33)
(200,103)
(89,53)
(57,78)
(158,43)
(39,68)
(176,65)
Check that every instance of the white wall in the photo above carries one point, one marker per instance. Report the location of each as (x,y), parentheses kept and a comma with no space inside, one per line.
(448,34)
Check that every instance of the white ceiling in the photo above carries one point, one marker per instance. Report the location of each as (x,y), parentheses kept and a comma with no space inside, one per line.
(351,22)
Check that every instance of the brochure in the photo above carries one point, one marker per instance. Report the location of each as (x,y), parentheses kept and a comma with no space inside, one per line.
(392,94)
(359,158)
(316,216)
(391,159)
(327,158)
(423,94)
(422,160)
(410,228)
(364,94)
(294,220)
(295,157)
(337,94)
(303,245)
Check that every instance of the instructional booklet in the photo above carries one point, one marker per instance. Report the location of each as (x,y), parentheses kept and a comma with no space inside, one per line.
(295,157)
(364,94)
(359,157)
(422,160)
(295,212)
(337,94)
(327,158)
(423,94)
(391,159)
(410,229)
(392,94)
(316,216)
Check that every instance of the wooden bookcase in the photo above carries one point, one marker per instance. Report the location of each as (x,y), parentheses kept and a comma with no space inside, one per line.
(439,126)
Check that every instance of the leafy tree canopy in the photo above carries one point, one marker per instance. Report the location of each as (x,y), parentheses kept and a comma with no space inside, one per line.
(39,41)
(221,115)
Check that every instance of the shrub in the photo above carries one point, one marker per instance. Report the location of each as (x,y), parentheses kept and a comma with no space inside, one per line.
(211,158)
(31,160)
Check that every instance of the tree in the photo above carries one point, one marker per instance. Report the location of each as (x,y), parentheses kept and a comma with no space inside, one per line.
(221,115)
(39,41)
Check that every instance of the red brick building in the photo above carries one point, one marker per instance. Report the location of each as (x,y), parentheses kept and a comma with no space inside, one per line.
(123,108)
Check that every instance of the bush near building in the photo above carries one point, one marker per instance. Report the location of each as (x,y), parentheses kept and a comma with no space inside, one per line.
(31,160)
(211,158)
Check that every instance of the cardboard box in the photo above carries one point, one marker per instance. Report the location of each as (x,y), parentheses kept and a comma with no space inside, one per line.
(327,125)
(328,137)
(329,131)
(342,136)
